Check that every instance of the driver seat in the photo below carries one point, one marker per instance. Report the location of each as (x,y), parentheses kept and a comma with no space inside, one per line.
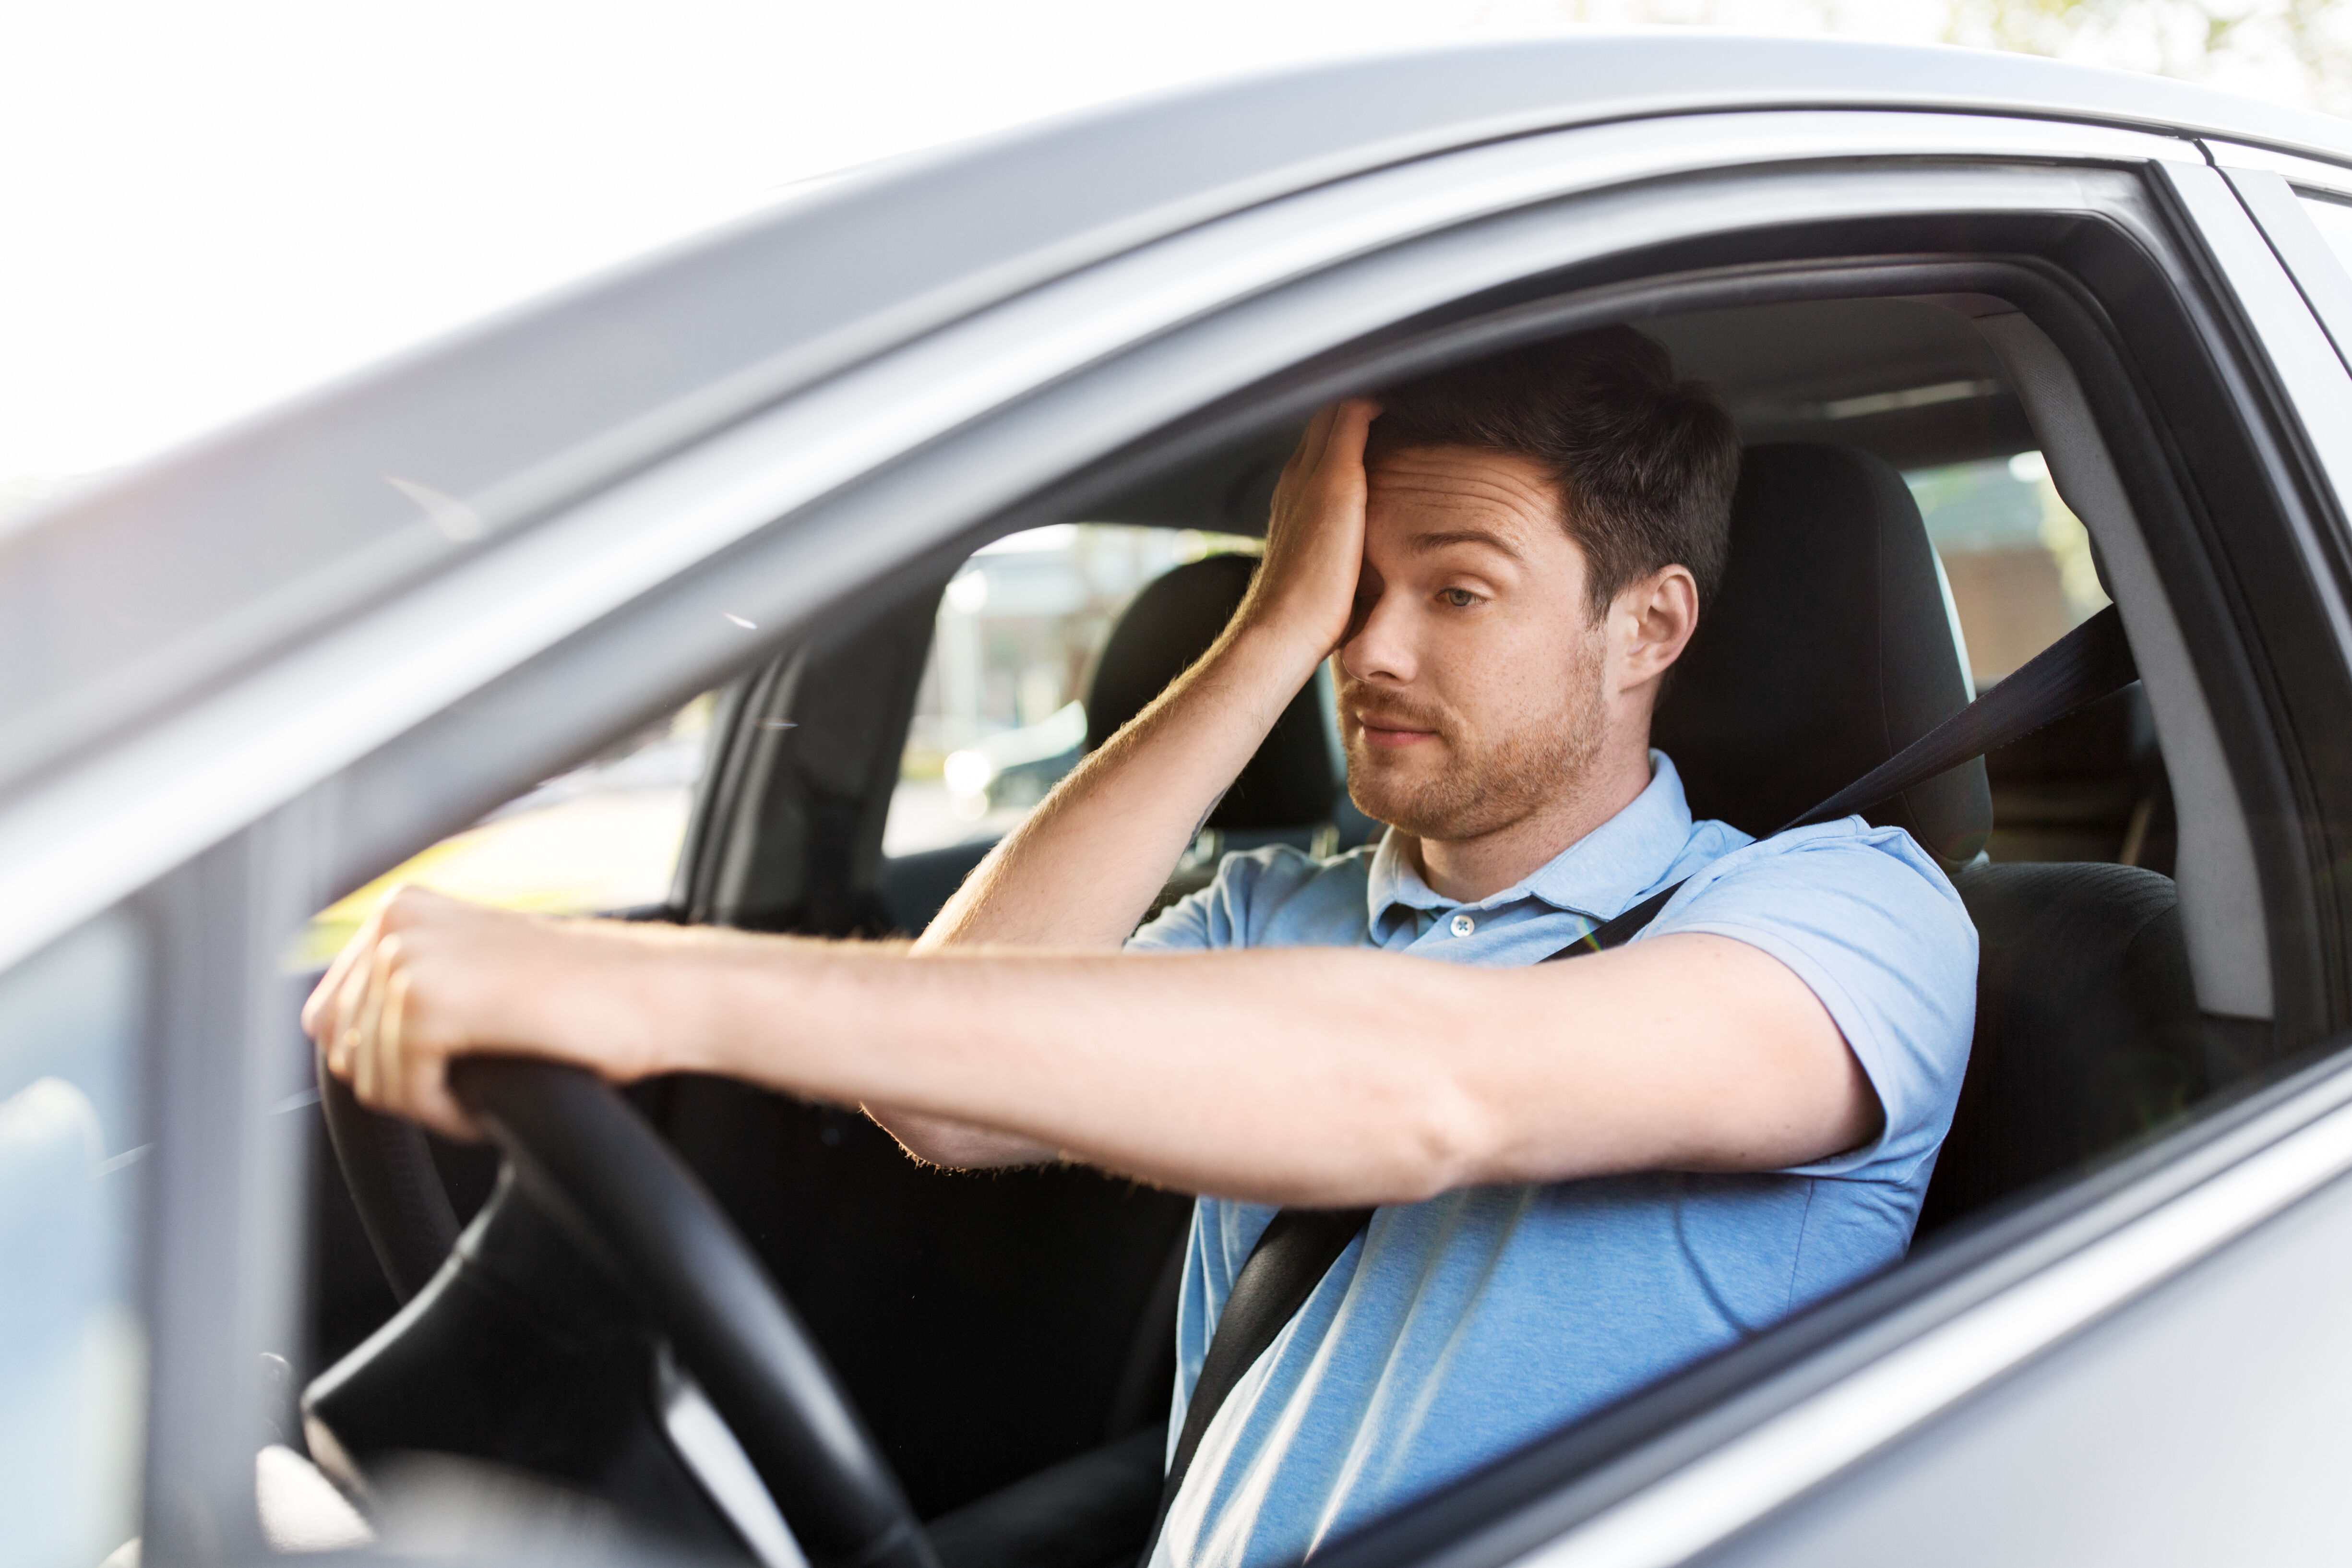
(1828,649)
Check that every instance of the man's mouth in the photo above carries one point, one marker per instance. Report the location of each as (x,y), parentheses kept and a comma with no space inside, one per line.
(1392,734)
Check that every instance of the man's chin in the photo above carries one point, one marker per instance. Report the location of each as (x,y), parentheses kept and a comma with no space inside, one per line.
(1402,798)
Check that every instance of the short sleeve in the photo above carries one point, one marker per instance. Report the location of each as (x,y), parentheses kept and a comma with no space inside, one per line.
(1272,897)
(1214,916)
(1875,929)
(1187,925)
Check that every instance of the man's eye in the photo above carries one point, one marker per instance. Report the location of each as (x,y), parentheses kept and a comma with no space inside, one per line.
(1460,598)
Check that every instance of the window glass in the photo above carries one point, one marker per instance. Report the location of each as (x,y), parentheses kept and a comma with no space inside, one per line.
(602,837)
(2334,221)
(1001,713)
(73,1348)
(2018,563)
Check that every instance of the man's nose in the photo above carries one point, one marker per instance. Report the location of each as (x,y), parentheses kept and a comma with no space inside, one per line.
(1380,644)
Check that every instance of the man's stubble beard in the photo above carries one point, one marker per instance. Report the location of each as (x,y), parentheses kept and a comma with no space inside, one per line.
(1484,790)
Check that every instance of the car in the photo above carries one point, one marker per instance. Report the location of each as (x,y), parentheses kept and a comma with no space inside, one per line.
(730,503)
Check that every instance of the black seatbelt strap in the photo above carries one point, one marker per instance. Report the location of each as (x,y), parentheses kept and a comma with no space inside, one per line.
(1296,1248)
(2091,661)
(1299,1246)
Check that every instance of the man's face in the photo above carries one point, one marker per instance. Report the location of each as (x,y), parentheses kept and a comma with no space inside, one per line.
(1471,681)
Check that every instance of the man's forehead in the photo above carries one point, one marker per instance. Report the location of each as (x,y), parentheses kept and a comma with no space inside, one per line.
(1502,490)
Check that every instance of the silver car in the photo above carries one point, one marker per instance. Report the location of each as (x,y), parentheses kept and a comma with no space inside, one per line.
(840,528)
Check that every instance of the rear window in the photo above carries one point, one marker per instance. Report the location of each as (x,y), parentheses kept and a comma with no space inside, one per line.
(1001,713)
(2018,563)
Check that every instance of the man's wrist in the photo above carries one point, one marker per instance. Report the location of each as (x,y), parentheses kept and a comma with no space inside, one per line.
(1267,653)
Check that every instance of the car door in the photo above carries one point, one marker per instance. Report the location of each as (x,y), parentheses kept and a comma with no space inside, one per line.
(1512,1510)
(500,558)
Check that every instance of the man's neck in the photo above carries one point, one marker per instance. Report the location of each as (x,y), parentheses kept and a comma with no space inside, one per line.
(1468,869)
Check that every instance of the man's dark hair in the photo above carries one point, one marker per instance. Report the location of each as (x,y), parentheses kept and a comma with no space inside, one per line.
(1645,464)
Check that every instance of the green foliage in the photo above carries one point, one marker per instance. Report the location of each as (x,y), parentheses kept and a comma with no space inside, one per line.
(2294,50)
(2288,51)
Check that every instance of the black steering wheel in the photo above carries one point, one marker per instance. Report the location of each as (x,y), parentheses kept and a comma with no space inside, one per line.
(580,1160)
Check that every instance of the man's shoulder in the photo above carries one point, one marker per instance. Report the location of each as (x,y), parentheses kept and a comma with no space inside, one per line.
(1853,899)
(1825,855)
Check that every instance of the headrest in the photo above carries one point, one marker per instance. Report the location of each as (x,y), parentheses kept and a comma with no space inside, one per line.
(1293,780)
(1828,648)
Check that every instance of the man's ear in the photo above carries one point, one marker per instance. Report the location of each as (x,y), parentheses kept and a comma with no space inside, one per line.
(1652,621)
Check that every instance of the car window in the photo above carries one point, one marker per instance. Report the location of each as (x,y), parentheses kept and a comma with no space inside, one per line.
(2018,561)
(2334,221)
(73,1347)
(1001,713)
(598,840)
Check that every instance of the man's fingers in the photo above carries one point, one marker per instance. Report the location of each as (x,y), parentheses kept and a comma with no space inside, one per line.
(321,1016)
(389,1025)
(345,1018)
(377,1075)
(1333,447)
(1308,457)
(1352,430)
(362,1031)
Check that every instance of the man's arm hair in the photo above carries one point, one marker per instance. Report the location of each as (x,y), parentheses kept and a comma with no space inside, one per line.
(1317,1076)
(1081,871)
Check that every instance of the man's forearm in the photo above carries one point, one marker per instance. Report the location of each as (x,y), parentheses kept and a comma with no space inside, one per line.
(1309,1076)
(1085,866)
(1083,870)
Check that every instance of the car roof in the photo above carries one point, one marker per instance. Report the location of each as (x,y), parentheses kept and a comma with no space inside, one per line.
(126,599)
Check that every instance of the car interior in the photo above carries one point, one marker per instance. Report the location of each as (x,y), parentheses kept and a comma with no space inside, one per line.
(1008,1337)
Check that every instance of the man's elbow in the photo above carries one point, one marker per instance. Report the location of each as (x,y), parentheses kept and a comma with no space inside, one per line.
(958,1145)
(1451,1140)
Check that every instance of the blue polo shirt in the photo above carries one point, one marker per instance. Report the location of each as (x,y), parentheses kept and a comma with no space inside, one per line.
(1457,1330)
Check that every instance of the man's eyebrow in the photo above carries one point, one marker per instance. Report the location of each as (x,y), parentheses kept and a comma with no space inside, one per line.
(1440,539)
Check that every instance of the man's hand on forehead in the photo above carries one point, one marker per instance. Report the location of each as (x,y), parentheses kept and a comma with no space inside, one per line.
(1315,533)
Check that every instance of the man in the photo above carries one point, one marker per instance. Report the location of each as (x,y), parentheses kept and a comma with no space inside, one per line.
(1589,1172)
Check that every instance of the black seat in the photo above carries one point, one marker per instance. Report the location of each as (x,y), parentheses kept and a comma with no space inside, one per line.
(1290,792)
(1288,788)
(2087,1030)
(1828,650)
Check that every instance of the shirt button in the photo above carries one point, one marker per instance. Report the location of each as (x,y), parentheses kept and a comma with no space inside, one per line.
(1461,925)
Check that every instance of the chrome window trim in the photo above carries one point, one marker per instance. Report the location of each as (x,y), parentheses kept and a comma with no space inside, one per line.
(95,832)
(2278,208)
(2311,173)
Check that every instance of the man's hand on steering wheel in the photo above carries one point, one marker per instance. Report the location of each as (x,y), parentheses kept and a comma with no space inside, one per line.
(430,977)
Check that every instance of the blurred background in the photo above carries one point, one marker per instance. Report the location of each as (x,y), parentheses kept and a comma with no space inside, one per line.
(212,209)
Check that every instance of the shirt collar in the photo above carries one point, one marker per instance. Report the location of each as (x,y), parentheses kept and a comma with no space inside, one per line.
(1599,876)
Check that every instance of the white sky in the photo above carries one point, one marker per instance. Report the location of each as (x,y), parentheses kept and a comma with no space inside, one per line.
(209,208)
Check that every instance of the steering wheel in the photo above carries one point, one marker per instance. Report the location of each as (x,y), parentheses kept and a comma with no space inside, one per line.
(584,1156)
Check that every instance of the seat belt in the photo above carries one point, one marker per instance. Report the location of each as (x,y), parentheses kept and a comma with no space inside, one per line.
(1299,1246)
